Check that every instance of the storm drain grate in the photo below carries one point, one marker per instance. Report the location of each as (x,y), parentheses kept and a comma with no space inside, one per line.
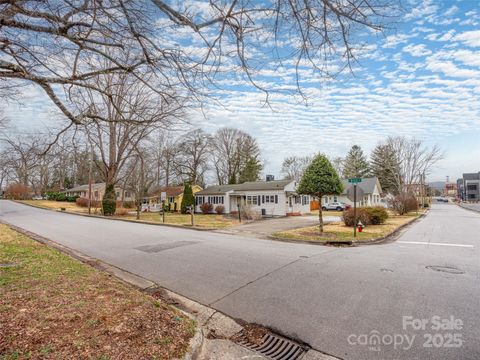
(274,347)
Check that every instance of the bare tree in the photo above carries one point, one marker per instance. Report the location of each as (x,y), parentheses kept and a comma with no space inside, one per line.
(413,161)
(191,160)
(62,46)
(293,167)
(115,140)
(231,149)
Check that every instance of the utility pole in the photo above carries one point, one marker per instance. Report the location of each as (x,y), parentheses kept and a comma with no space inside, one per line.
(355,210)
(90,181)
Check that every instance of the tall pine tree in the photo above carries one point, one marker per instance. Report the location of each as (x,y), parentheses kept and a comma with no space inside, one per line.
(385,165)
(355,164)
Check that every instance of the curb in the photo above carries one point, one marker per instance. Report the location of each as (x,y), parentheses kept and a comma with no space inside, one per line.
(117,219)
(393,234)
(466,208)
(207,318)
(383,239)
(214,328)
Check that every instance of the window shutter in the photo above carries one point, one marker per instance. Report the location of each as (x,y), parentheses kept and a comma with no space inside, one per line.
(276,199)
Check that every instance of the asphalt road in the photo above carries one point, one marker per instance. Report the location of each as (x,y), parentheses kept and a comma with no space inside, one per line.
(354,303)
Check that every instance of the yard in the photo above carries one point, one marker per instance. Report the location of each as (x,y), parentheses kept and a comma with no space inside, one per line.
(337,231)
(210,221)
(56,205)
(55,307)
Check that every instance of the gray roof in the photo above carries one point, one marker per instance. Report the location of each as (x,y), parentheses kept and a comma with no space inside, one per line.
(367,185)
(247,186)
(85,187)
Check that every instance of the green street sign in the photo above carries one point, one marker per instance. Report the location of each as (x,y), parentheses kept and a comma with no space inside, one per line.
(355,180)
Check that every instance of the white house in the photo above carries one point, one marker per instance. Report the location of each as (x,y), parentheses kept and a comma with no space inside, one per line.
(270,198)
(372,192)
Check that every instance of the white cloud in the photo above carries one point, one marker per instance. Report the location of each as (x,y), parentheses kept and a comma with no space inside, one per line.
(417,50)
(450,69)
(470,38)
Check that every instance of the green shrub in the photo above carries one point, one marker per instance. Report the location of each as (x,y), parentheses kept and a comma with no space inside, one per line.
(220,209)
(188,199)
(378,215)
(362,216)
(61,197)
(72,198)
(109,203)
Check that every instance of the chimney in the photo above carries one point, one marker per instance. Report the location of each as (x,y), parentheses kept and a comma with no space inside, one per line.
(270,178)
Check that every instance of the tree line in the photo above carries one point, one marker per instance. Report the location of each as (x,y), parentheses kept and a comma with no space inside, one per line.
(398,162)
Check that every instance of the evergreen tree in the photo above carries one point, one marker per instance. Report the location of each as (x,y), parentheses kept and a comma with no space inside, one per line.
(251,171)
(385,165)
(318,180)
(355,164)
(188,198)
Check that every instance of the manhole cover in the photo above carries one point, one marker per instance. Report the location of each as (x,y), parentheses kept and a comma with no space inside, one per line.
(273,346)
(446,269)
(7,265)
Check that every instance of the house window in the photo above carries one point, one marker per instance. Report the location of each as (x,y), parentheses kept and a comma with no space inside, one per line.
(335,199)
(276,199)
(96,194)
(221,198)
(471,187)
(127,194)
(252,200)
(263,199)
(171,199)
(117,194)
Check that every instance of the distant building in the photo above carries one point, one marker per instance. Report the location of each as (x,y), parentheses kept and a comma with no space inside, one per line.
(450,189)
(371,188)
(470,186)
(98,190)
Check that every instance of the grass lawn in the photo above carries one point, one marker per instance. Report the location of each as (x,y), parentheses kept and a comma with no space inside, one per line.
(55,307)
(337,231)
(327,213)
(210,221)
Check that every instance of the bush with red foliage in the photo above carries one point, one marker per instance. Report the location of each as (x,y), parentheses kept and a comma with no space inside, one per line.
(83,202)
(206,208)
(18,192)
(403,203)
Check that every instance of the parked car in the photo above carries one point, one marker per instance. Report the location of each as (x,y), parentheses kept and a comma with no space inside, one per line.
(37,197)
(335,206)
(442,199)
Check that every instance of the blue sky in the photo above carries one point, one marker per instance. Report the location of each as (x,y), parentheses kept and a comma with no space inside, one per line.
(421,79)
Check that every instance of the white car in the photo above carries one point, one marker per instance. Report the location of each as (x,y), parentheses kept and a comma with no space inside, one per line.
(334,206)
(37,197)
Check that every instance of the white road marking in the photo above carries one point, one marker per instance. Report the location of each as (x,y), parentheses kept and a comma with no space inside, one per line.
(433,243)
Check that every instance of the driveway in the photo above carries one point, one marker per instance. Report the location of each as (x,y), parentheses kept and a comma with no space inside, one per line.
(369,302)
(266,227)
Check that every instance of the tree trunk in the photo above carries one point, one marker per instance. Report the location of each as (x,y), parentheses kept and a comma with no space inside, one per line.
(320,215)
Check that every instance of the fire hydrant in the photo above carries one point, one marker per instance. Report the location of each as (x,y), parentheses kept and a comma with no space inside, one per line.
(360,227)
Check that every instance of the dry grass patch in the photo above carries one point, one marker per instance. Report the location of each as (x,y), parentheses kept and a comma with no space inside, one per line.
(56,205)
(337,231)
(210,221)
(54,307)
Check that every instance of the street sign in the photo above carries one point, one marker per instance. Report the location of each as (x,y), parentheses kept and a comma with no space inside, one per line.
(351,195)
(355,180)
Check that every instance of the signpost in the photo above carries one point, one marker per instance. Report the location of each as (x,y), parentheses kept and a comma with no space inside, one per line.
(355,181)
